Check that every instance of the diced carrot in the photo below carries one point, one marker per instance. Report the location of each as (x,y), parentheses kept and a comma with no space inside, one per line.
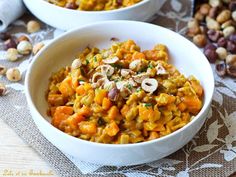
(52,110)
(113,113)
(66,87)
(153,135)
(99,95)
(84,111)
(80,90)
(138,55)
(112,129)
(197,88)
(159,127)
(56,99)
(181,107)
(185,116)
(74,120)
(61,113)
(124,110)
(106,103)
(193,103)
(87,127)
(147,113)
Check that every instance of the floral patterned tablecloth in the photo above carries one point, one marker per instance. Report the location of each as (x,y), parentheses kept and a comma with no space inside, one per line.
(211,153)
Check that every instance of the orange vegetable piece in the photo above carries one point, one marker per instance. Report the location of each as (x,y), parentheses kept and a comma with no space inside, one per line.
(84,111)
(113,113)
(112,129)
(80,90)
(87,127)
(74,120)
(147,113)
(138,55)
(153,135)
(182,107)
(61,113)
(56,99)
(197,88)
(99,95)
(66,87)
(193,103)
(106,103)
(124,110)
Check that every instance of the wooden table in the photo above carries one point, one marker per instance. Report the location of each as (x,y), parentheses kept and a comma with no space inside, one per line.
(19,159)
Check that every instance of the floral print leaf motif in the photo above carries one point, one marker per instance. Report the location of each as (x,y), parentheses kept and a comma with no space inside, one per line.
(230,122)
(228,155)
(164,161)
(205,147)
(3,55)
(212,132)
(211,165)
(16,86)
(176,5)
(218,97)
(138,174)
(226,91)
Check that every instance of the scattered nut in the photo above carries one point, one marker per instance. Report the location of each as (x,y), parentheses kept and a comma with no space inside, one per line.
(33,26)
(228,31)
(108,85)
(200,40)
(222,53)
(193,23)
(211,55)
(24,47)
(215,3)
(37,47)
(135,65)
(232,6)
(160,70)
(231,60)
(198,16)
(113,94)
(3,89)
(233,38)
(22,38)
(213,35)
(5,36)
(10,43)
(140,77)
(76,64)
(227,23)
(111,60)
(221,69)
(106,70)
(204,9)
(223,16)
(231,47)
(209,46)
(12,54)
(212,24)
(222,42)
(231,71)
(149,85)
(3,70)
(234,15)
(13,74)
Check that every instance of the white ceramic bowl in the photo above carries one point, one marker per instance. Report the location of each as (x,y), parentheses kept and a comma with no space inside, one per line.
(67,19)
(184,55)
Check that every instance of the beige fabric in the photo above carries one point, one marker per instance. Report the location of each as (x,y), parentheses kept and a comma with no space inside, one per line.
(211,153)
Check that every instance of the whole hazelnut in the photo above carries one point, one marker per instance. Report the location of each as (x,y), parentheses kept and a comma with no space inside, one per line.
(209,46)
(204,9)
(222,53)
(227,23)
(193,23)
(37,47)
(13,74)
(211,55)
(212,24)
(3,89)
(76,64)
(223,16)
(214,35)
(12,54)
(10,43)
(233,38)
(33,26)
(221,69)
(24,47)
(22,38)
(232,6)
(215,3)
(222,42)
(113,94)
(231,60)
(228,31)
(231,47)
(231,71)
(3,70)
(198,16)
(5,36)
(200,40)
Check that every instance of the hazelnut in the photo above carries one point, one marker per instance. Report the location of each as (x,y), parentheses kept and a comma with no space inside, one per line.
(231,47)
(193,23)
(233,38)
(204,9)
(231,60)
(212,24)
(33,26)
(214,35)
(221,69)
(221,52)
(223,16)
(13,74)
(232,6)
(22,38)
(5,36)
(228,31)
(215,3)
(213,12)
(10,43)
(234,15)
(198,16)
(3,89)
(113,94)
(37,47)
(227,23)
(24,47)
(12,54)
(222,42)
(3,70)
(200,40)
(211,55)
(193,31)
(76,64)
(231,71)
(210,46)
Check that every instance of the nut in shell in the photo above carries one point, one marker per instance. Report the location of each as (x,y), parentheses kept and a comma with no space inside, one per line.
(24,47)
(13,74)
(149,85)
(3,89)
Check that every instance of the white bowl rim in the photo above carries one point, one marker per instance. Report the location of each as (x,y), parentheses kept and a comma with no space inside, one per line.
(97,12)
(104,23)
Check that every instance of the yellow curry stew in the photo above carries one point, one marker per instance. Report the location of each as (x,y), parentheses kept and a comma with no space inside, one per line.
(122,95)
(94,5)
